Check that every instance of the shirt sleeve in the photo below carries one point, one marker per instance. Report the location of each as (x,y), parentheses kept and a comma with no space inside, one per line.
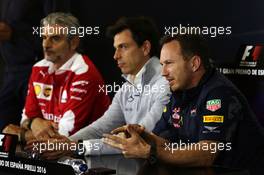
(111,119)
(97,147)
(160,100)
(220,115)
(31,109)
(83,100)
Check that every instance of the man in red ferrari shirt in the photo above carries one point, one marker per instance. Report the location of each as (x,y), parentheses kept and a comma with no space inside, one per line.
(63,93)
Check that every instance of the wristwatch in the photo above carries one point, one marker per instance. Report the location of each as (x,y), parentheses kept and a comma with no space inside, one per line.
(27,123)
(80,149)
(152,159)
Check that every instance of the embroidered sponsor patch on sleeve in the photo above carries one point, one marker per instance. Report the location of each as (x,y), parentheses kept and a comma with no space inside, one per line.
(213,118)
(213,105)
(165,109)
(43,91)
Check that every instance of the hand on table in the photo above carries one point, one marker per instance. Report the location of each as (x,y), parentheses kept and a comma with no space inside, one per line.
(43,129)
(133,146)
(12,129)
(51,149)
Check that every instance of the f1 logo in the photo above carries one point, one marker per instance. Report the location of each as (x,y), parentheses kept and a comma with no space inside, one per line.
(254,51)
(1,138)
(247,52)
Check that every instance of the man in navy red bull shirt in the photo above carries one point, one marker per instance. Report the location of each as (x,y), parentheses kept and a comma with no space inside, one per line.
(207,121)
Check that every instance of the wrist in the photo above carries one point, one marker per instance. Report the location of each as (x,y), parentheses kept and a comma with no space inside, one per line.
(147,152)
(27,124)
(31,122)
(152,156)
(22,136)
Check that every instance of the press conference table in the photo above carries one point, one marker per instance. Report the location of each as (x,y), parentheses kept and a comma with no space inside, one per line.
(125,166)
(122,166)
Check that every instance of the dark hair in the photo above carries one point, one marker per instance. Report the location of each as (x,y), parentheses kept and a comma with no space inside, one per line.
(191,44)
(142,29)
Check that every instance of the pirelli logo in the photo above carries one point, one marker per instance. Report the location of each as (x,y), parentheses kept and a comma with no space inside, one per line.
(213,119)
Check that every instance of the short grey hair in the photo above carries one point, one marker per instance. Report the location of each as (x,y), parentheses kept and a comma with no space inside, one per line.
(62,19)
